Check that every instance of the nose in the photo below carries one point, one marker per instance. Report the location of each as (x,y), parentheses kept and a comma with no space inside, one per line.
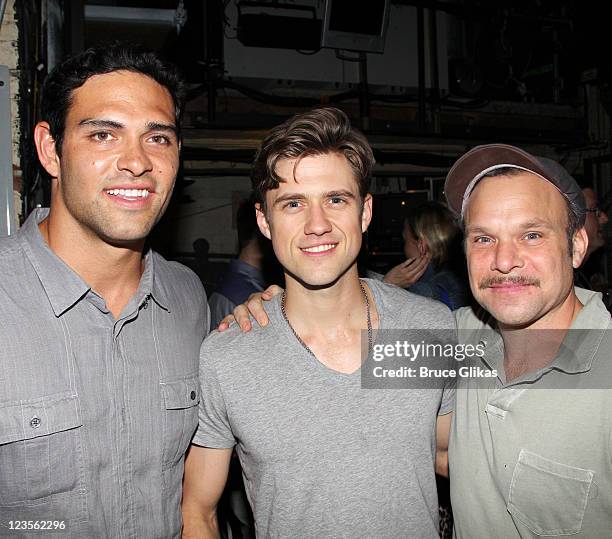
(317,221)
(134,158)
(506,257)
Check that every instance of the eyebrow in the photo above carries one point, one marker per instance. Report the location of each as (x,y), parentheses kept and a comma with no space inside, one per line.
(109,124)
(112,124)
(525,225)
(536,224)
(341,193)
(475,230)
(288,196)
(300,196)
(156,126)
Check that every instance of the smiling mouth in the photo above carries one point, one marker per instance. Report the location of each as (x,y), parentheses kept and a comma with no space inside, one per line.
(320,248)
(129,193)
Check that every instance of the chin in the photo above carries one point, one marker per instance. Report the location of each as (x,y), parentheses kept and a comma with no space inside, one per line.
(126,239)
(512,317)
(316,283)
(316,280)
(505,312)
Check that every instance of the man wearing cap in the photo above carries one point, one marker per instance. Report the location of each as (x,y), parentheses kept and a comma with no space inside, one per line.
(530,450)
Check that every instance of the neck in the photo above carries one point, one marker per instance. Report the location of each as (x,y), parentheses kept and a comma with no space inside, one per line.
(111,271)
(530,348)
(329,321)
(340,305)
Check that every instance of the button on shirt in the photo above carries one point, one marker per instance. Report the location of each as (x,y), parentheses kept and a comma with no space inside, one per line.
(531,457)
(96,413)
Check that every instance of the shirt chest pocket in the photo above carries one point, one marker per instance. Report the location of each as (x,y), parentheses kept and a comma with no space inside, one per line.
(548,497)
(41,456)
(180,399)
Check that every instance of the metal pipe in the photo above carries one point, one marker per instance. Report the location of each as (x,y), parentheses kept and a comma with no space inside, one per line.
(364,98)
(213,52)
(557,82)
(421,67)
(434,68)
(212,100)
(7,214)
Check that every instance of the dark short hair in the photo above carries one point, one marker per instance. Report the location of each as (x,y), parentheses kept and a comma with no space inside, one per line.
(575,217)
(316,132)
(59,86)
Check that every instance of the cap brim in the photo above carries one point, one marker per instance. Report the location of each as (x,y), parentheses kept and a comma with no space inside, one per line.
(479,159)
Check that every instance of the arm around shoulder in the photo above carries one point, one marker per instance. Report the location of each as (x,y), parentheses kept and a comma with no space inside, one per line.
(253,306)
(205,477)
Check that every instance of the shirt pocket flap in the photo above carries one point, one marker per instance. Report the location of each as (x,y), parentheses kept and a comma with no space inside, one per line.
(548,497)
(179,394)
(42,416)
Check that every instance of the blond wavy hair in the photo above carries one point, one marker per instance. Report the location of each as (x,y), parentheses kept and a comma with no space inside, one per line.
(435,224)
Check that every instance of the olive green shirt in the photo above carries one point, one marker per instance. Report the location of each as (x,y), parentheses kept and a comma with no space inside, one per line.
(533,457)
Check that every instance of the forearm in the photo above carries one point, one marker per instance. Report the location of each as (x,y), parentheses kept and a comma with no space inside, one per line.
(442,463)
(443,425)
(200,524)
(205,475)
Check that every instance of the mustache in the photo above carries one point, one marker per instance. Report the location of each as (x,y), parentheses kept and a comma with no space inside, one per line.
(513,279)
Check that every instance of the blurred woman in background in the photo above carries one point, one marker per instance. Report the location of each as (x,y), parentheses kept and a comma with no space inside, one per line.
(435,265)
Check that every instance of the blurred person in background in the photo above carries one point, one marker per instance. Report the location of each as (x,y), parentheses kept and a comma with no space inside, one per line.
(435,265)
(589,274)
(596,218)
(253,270)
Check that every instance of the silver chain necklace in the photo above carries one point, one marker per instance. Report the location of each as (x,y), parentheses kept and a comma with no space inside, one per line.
(306,347)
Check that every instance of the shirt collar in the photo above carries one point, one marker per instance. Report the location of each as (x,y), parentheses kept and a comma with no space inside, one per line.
(62,285)
(586,333)
(579,346)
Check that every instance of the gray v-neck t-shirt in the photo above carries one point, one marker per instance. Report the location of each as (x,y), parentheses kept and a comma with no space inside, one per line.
(322,457)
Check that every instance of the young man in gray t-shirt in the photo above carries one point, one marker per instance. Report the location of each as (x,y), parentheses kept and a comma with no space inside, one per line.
(321,456)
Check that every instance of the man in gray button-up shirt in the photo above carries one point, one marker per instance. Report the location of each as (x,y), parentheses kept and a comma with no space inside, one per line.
(100,337)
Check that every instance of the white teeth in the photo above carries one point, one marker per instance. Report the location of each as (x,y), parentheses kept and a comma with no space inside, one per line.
(319,248)
(129,193)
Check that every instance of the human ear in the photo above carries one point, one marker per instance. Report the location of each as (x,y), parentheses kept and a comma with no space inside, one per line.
(46,149)
(262,221)
(580,242)
(423,246)
(366,212)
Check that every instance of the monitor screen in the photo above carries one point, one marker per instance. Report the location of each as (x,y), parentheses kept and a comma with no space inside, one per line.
(367,19)
(359,29)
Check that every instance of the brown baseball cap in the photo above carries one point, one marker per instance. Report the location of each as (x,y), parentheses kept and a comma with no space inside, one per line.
(471,167)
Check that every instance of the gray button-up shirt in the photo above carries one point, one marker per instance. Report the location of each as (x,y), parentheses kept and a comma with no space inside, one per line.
(95,413)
